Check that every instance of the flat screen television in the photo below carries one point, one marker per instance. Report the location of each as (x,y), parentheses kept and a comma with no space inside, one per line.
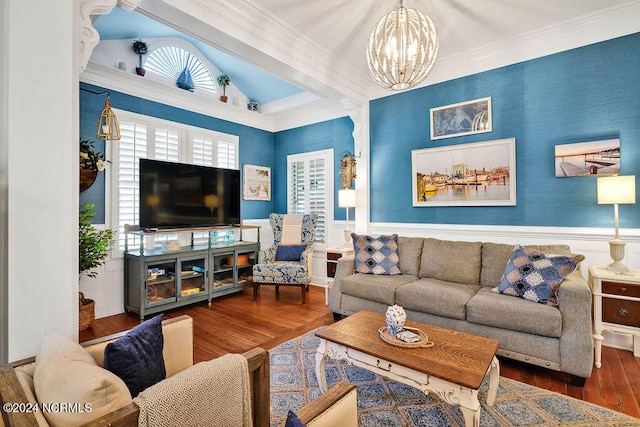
(180,195)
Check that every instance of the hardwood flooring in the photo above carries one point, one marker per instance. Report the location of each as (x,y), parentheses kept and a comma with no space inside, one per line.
(234,324)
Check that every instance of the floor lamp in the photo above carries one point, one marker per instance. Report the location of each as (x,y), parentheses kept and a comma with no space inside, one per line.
(347,199)
(615,190)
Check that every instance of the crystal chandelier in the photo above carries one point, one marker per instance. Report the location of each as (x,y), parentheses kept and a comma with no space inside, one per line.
(402,49)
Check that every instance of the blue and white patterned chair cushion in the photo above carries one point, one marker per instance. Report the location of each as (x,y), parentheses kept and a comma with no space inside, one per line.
(376,255)
(536,276)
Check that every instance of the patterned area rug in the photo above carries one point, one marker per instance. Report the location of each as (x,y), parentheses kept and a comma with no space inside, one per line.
(387,403)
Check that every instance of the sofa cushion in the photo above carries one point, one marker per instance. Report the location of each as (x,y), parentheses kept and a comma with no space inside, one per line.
(137,356)
(536,276)
(379,288)
(410,251)
(66,373)
(376,255)
(516,314)
(432,296)
(450,261)
(496,255)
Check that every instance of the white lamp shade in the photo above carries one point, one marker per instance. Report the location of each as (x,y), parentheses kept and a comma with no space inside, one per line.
(347,198)
(617,190)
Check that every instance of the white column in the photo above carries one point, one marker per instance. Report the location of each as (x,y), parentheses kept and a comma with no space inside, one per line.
(39,93)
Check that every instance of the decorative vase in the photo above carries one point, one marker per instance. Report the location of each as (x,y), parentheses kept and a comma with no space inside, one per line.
(252,106)
(87,178)
(395,317)
(140,71)
(224,98)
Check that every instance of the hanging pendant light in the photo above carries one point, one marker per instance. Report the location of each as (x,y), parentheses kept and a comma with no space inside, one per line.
(402,49)
(108,128)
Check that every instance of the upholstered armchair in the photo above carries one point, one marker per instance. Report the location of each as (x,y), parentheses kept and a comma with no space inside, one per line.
(288,261)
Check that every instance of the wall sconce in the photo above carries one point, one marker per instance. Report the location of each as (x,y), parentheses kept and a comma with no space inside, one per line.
(108,128)
(614,190)
(347,170)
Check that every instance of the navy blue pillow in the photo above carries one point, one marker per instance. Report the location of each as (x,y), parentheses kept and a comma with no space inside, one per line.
(137,357)
(289,252)
(293,420)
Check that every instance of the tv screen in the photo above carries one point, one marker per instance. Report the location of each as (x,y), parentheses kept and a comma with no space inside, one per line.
(175,195)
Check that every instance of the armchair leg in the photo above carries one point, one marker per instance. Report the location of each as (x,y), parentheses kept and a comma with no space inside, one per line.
(277,289)
(303,293)
(256,287)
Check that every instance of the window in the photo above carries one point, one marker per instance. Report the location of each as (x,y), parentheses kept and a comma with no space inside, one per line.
(152,138)
(310,188)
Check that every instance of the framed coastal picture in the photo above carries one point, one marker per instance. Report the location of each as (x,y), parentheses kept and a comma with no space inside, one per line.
(588,158)
(476,174)
(256,184)
(463,118)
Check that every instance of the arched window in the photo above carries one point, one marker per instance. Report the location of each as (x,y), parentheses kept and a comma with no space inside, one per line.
(170,61)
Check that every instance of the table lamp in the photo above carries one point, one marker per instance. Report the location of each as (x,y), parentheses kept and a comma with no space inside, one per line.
(347,199)
(615,190)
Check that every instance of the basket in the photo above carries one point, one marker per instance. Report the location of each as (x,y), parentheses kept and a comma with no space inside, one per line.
(86,312)
(390,339)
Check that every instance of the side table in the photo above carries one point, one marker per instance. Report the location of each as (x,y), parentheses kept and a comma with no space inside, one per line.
(616,306)
(333,255)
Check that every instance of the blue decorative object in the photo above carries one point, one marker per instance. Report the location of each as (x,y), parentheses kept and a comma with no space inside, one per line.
(185,81)
(293,420)
(137,357)
(376,255)
(395,317)
(252,105)
(535,276)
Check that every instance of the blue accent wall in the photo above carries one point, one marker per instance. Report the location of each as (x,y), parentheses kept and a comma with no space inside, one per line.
(256,146)
(334,134)
(586,94)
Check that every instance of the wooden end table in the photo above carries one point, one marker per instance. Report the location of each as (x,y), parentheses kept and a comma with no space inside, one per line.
(453,368)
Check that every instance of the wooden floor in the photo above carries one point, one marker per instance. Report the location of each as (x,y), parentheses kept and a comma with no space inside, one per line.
(234,324)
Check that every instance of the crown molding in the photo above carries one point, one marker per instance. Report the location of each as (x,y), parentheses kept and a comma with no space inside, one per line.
(581,31)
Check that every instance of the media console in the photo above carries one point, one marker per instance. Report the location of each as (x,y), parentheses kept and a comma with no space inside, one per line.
(158,279)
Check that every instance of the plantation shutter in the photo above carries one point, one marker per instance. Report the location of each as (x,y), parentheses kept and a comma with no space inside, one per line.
(309,188)
(146,137)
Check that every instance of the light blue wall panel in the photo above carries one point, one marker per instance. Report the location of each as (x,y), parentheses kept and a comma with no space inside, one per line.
(585,94)
(256,146)
(333,134)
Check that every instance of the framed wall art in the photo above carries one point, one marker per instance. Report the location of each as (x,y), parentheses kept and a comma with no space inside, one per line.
(588,158)
(256,184)
(476,174)
(464,118)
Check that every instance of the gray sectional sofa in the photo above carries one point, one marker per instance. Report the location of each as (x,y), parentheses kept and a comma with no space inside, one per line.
(448,284)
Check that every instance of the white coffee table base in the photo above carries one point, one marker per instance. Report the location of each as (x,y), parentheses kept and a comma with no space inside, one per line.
(466,398)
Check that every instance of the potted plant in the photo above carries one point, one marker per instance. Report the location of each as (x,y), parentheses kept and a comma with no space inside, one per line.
(140,48)
(90,164)
(223,80)
(93,248)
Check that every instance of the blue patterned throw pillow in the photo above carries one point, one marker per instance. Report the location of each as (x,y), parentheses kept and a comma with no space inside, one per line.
(376,255)
(536,276)
(289,252)
(293,420)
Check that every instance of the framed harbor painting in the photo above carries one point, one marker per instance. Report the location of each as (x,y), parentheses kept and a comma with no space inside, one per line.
(476,174)
(463,118)
(256,184)
(588,158)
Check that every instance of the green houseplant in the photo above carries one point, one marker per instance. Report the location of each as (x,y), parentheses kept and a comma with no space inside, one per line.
(93,247)
(223,80)
(140,48)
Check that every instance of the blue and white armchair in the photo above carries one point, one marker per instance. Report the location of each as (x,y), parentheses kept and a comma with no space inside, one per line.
(288,261)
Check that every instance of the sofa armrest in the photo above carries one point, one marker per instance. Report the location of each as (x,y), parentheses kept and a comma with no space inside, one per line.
(338,406)
(344,268)
(266,256)
(576,342)
(11,392)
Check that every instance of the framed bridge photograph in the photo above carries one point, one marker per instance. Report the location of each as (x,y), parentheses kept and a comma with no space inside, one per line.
(476,174)
(588,158)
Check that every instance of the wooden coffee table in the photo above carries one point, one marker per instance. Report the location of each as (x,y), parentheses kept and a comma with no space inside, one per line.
(453,368)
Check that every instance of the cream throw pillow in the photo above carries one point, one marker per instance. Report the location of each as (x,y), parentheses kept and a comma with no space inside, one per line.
(65,373)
